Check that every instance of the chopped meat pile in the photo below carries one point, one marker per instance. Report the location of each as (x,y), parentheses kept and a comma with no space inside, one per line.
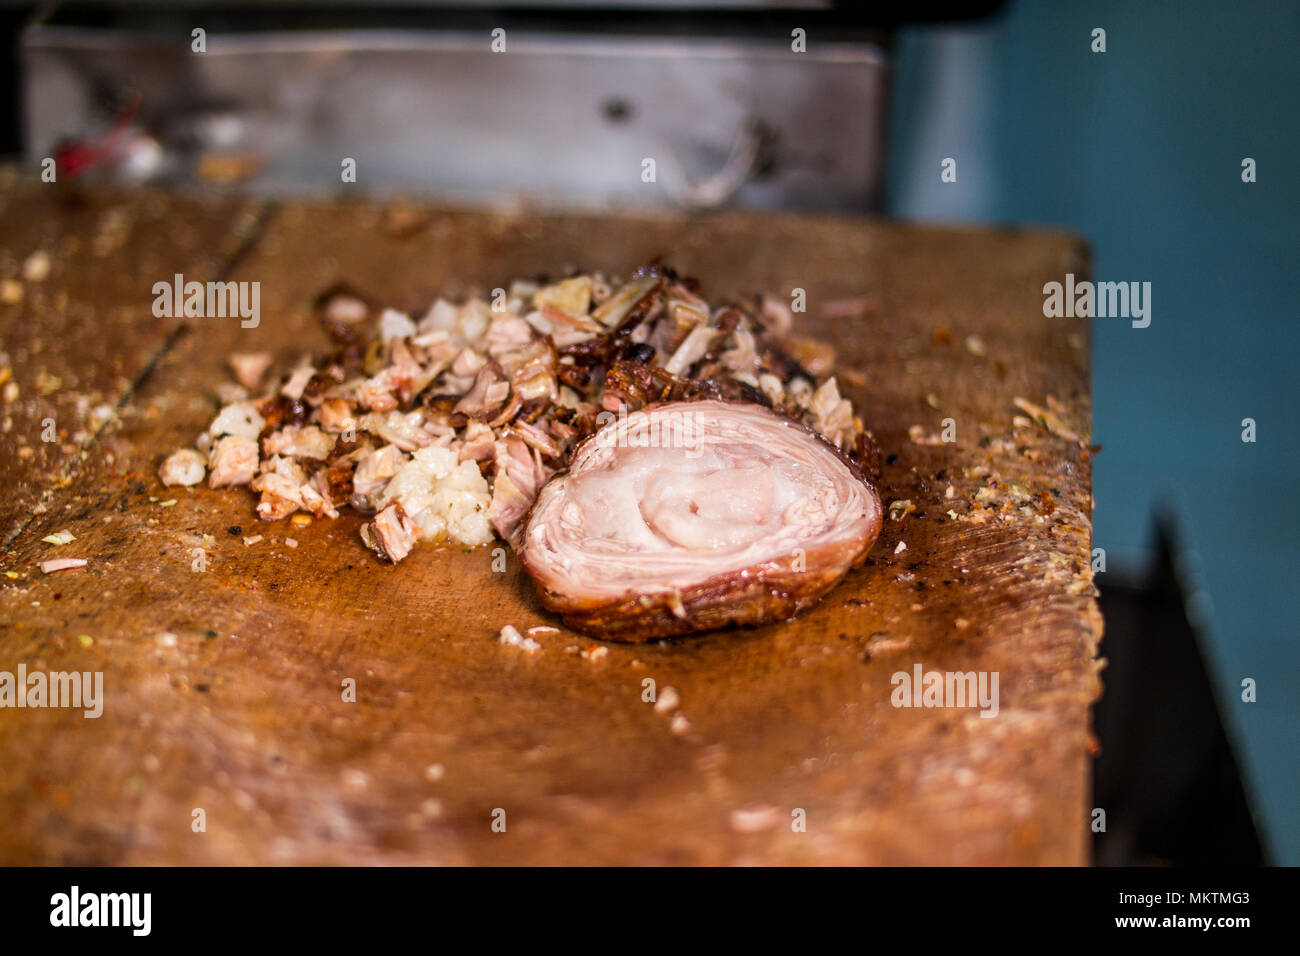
(444,427)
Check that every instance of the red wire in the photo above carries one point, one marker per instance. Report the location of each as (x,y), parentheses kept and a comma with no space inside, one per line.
(73,159)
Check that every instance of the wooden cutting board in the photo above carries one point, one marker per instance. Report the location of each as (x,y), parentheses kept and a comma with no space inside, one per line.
(224,688)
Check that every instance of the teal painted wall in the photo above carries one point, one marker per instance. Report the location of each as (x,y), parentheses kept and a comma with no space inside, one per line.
(1139,150)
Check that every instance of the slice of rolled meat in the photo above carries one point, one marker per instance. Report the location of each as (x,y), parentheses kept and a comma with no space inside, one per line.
(690,516)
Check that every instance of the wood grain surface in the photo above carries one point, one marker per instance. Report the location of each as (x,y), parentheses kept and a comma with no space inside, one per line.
(223,687)
(73,265)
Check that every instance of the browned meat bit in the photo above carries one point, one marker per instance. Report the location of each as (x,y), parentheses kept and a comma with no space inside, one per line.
(281,484)
(281,410)
(249,367)
(407,376)
(479,442)
(337,414)
(343,313)
(531,370)
(315,496)
(817,358)
(374,470)
(831,415)
(376,392)
(465,367)
(520,474)
(299,441)
(534,437)
(335,482)
(297,381)
(391,535)
(184,467)
(233,461)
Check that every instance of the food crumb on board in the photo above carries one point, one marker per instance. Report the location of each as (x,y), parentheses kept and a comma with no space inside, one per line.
(250,541)
(902,546)
(595,652)
(510,635)
(59,537)
(355,779)
(679,725)
(62,564)
(291,542)
(435,772)
(755,819)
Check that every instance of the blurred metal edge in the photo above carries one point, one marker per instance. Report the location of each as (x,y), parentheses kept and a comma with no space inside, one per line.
(836,73)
